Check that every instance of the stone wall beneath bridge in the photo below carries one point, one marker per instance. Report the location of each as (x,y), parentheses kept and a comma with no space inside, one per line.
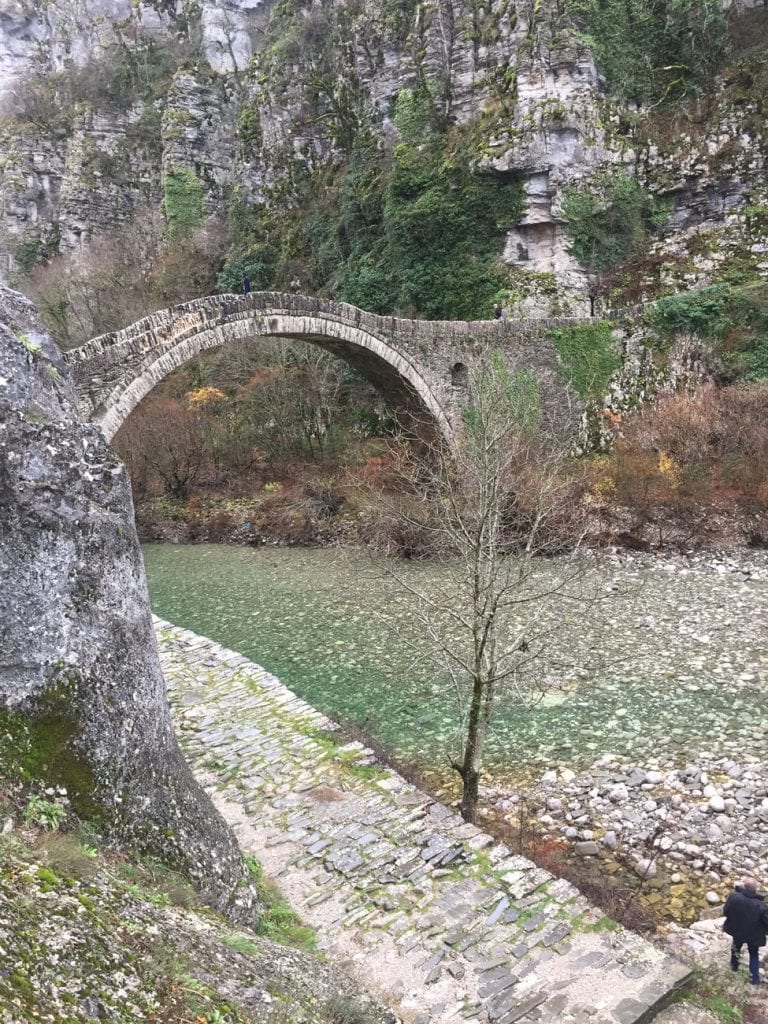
(413,362)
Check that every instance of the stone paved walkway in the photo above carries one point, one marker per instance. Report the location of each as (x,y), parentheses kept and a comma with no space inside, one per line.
(433,916)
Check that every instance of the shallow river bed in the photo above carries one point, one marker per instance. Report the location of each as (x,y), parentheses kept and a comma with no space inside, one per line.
(665,660)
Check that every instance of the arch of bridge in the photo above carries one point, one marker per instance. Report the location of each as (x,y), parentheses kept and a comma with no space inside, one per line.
(116,371)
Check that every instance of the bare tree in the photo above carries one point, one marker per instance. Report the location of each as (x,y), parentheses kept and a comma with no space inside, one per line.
(123,275)
(491,508)
(166,438)
(292,409)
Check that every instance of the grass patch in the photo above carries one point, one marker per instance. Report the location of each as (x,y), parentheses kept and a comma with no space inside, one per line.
(240,942)
(603,924)
(717,991)
(278,921)
(153,883)
(366,772)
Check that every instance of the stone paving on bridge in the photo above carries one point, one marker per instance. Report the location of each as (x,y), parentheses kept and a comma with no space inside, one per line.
(437,919)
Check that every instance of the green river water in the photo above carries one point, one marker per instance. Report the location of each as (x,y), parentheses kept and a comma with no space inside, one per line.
(670,662)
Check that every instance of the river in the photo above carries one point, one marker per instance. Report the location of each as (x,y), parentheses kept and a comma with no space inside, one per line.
(660,663)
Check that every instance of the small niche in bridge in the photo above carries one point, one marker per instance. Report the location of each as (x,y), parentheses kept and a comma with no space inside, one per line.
(459,375)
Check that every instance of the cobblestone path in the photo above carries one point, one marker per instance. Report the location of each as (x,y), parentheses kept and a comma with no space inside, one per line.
(432,915)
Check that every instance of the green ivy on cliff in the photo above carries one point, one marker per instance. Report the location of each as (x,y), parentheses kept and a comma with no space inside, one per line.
(588,357)
(183,201)
(735,320)
(650,50)
(443,226)
(610,219)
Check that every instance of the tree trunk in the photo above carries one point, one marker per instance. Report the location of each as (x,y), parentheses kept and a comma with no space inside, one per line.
(470,794)
(474,746)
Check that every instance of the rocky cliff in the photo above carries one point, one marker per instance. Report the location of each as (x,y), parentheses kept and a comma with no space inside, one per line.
(82,697)
(257,109)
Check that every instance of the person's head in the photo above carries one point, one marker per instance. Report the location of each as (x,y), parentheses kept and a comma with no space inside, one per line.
(749,884)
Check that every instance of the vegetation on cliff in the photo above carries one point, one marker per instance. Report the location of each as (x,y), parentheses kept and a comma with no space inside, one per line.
(399,204)
(655,50)
(417,231)
(90,933)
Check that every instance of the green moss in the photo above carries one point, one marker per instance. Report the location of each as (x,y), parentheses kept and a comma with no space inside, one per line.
(183,201)
(46,875)
(32,347)
(367,772)
(602,924)
(588,357)
(38,743)
(18,981)
(249,128)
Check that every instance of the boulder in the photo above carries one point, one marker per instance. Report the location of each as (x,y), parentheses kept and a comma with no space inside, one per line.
(589,848)
(82,696)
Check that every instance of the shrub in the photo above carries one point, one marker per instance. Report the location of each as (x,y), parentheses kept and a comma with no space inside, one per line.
(734,319)
(136,68)
(419,234)
(706,447)
(442,224)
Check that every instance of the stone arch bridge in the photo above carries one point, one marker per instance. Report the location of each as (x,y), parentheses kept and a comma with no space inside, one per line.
(420,366)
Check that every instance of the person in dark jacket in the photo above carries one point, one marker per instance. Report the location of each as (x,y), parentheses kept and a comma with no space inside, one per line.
(246,284)
(746,921)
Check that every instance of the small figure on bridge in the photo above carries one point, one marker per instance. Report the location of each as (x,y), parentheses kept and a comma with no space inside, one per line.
(498,312)
(246,284)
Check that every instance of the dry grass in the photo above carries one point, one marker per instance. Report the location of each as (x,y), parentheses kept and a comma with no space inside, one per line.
(326,794)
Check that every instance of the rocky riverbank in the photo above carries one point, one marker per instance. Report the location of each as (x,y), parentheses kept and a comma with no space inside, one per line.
(686,832)
(318,515)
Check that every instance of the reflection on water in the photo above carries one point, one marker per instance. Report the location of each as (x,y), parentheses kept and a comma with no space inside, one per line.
(681,665)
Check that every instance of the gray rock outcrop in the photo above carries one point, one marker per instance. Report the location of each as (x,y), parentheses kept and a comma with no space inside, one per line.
(82,696)
(252,106)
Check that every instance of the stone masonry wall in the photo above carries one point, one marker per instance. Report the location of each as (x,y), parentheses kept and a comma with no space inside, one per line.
(411,361)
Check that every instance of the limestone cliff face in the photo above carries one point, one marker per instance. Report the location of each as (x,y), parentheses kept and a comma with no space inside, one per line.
(271,86)
(82,697)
